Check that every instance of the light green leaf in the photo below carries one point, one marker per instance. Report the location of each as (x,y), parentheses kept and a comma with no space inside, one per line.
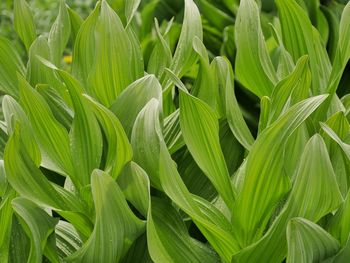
(134,183)
(119,151)
(30,182)
(109,74)
(308,242)
(233,113)
(67,239)
(301,38)
(265,171)
(24,22)
(59,33)
(252,56)
(37,224)
(145,140)
(47,131)
(116,227)
(315,193)
(200,129)
(10,65)
(131,101)
(168,239)
(185,56)
(85,134)
(75,21)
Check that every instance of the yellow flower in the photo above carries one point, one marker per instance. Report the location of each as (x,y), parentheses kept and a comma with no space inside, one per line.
(67,59)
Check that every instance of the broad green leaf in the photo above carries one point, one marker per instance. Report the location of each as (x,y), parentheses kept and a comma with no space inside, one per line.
(308,242)
(338,225)
(344,146)
(131,101)
(200,129)
(109,74)
(134,183)
(218,235)
(85,134)
(185,56)
(138,251)
(172,132)
(10,65)
(37,224)
(30,182)
(205,87)
(75,21)
(14,113)
(6,213)
(340,125)
(59,33)
(145,140)
(84,47)
(342,55)
(119,151)
(24,22)
(233,113)
(252,56)
(130,10)
(265,170)
(20,243)
(168,239)
(161,56)
(67,238)
(314,194)
(116,227)
(47,131)
(291,90)
(38,72)
(301,38)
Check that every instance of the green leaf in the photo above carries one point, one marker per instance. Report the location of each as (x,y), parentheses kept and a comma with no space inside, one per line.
(252,56)
(131,101)
(145,140)
(168,239)
(200,129)
(185,56)
(119,151)
(301,38)
(37,224)
(67,239)
(265,171)
(134,183)
(10,65)
(116,227)
(315,193)
(308,242)
(47,131)
(75,21)
(30,182)
(85,135)
(234,115)
(24,22)
(109,74)
(59,33)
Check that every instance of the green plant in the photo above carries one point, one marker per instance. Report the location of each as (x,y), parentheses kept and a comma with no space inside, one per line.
(139,151)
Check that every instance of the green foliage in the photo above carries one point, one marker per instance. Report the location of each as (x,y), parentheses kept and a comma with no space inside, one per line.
(174,131)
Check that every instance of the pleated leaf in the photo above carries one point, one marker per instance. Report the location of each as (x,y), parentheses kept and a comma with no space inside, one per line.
(10,65)
(264,171)
(168,239)
(131,101)
(38,225)
(308,242)
(315,193)
(47,131)
(252,56)
(59,33)
(119,151)
(116,227)
(24,22)
(200,129)
(85,134)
